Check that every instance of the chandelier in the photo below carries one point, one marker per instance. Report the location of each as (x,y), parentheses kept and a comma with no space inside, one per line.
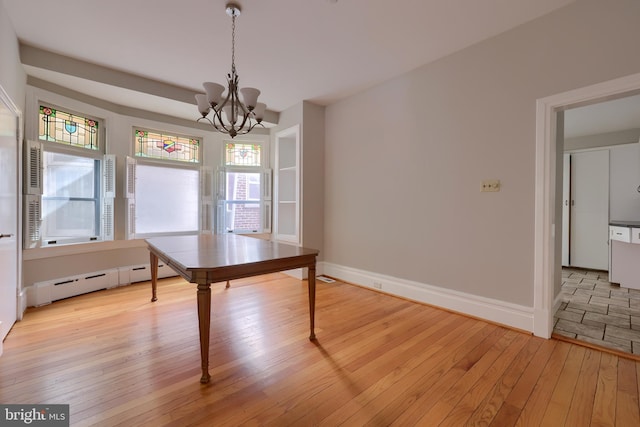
(240,116)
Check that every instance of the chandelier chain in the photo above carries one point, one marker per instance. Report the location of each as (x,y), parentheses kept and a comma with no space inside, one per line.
(233,43)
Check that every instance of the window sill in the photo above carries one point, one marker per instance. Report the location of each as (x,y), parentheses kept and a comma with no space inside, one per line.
(80,248)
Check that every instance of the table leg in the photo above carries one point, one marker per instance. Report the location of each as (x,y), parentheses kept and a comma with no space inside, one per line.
(154,276)
(204,322)
(312,299)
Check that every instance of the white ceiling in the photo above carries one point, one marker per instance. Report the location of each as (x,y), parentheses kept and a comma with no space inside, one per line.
(604,117)
(293,50)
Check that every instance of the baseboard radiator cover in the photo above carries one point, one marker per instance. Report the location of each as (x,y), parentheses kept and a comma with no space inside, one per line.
(48,291)
(142,273)
(496,311)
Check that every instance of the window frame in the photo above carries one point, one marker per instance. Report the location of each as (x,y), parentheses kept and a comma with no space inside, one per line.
(97,199)
(130,183)
(224,202)
(35,181)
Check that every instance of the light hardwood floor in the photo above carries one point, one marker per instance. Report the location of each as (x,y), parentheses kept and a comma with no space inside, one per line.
(119,359)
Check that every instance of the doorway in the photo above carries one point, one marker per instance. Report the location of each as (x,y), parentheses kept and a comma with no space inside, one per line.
(548,195)
(10,254)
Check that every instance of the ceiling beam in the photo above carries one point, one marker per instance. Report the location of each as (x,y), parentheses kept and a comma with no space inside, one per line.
(40,58)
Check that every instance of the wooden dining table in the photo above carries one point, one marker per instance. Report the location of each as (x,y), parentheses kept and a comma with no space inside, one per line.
(210,258)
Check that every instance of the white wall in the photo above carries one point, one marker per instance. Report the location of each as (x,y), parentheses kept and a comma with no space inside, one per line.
(313,137)
(624,182)
(404,160)
(12,76)
(310,117)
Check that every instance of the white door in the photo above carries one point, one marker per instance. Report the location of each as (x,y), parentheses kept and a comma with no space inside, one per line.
(590,210)
(566,195)
(8,217)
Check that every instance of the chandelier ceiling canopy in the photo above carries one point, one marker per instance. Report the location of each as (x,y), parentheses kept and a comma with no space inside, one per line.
(229,113)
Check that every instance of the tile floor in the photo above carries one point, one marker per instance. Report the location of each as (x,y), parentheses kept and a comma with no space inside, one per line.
(598,312)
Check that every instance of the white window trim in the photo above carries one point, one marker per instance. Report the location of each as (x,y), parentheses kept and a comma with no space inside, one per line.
(264,201)
(33,159)
(206,195)
(266,187)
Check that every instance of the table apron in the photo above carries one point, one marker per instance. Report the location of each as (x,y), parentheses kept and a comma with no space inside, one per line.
(222,274)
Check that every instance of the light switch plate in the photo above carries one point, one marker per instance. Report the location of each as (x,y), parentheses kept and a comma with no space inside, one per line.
(490,185)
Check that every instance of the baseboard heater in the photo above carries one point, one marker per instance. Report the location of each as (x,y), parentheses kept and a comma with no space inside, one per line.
(46,292)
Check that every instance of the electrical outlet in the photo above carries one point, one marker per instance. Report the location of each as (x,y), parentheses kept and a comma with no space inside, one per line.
(490,185)
(377,285)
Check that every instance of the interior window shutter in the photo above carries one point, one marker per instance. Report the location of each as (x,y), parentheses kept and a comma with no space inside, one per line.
(266,216)
(109,193)
(107,219)
(130,195)
(221,181)
(109,176)
(32,220)
(206,191)
(266,200)
(130,178)
(32,189)
(266,184)
(221,197)
(33,168)
(131,219)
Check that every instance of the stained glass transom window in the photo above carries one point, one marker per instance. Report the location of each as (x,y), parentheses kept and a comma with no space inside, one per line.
(66,128)
(238,154)
(157,145)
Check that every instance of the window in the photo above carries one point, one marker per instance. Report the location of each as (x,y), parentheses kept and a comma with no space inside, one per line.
(164,186)
(70,199)
(69,182)
(244,190)
(239,154)
(157,145)
(66,128)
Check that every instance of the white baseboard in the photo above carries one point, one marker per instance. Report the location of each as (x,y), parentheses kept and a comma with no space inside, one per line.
(22,303)
(303,273)
(505,313)
(298,273)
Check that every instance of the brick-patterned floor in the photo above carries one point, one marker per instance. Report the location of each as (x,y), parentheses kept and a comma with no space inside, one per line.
(598,312)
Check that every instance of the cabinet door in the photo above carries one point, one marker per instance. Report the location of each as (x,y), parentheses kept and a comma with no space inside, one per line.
(287,186)
(590,209)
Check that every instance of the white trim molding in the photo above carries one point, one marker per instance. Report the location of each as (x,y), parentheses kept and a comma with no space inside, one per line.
(512,315)
(544,300)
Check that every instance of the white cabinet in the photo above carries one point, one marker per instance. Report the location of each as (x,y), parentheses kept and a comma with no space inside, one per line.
(287,186)
(624,255)
(620,234)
